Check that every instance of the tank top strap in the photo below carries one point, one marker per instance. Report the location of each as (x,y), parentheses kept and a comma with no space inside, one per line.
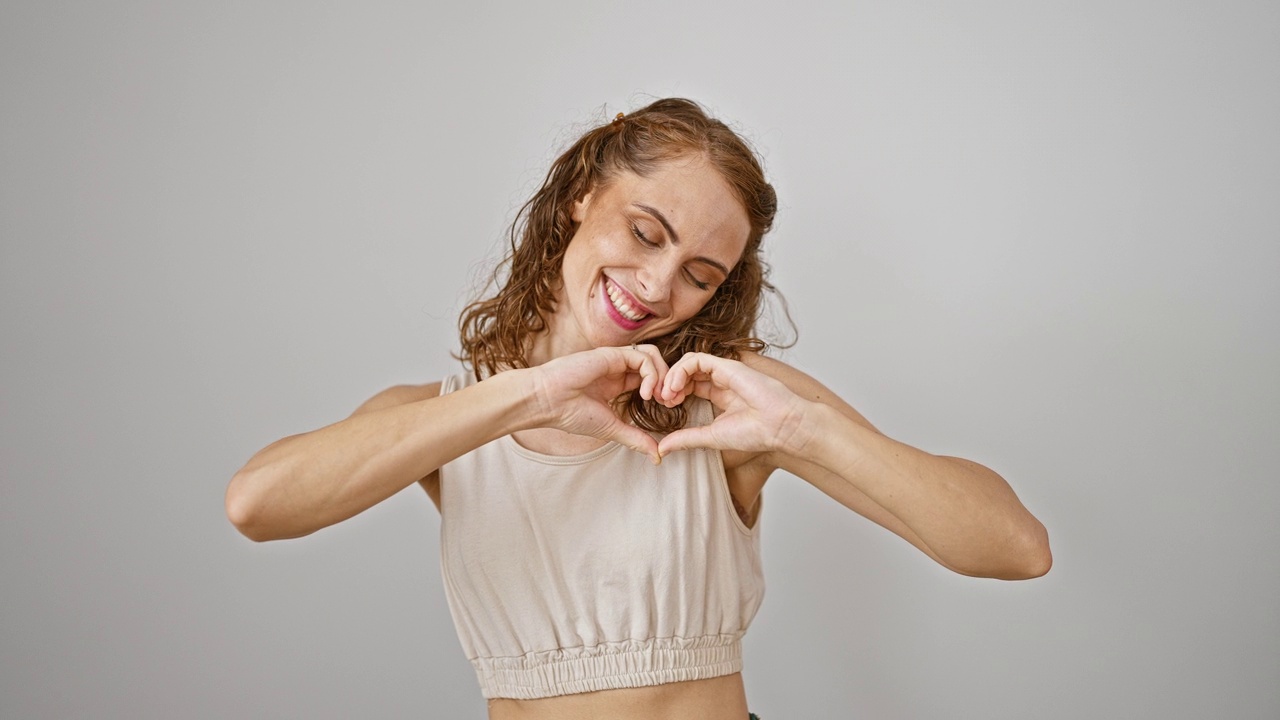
(454,383)
(700,412)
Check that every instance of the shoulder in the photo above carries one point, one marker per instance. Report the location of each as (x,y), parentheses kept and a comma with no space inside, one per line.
(772,367)
(797,381)
(802,384)
(399,395)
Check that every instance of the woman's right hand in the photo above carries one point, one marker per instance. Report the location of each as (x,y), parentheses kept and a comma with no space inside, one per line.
(575,392)
(308,481)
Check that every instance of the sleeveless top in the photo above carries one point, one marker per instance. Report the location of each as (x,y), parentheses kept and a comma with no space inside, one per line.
(568,574)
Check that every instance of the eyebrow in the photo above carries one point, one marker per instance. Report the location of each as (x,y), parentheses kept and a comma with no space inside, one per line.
(675,239)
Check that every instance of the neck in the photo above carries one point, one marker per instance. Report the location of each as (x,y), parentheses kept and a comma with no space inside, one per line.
(549,345)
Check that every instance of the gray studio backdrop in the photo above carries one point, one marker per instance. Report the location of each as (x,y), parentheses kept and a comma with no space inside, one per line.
(1044,236)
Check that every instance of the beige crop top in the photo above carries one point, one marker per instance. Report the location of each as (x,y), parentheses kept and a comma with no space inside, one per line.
(568,574)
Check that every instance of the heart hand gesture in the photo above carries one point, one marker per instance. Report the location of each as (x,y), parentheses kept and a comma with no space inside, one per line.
(758,413)
(575,392)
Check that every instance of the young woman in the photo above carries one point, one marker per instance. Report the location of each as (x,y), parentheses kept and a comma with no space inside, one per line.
(598,461)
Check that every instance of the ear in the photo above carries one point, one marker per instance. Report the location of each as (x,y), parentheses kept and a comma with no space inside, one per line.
(579,209)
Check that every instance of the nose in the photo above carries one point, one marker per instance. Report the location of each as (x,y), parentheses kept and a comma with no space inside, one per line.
(655,284)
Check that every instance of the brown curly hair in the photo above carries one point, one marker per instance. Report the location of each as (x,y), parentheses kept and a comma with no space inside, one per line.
(496,331)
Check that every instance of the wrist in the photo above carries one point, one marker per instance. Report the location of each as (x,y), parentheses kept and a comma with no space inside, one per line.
(801,435)
(524,398)
(836,442)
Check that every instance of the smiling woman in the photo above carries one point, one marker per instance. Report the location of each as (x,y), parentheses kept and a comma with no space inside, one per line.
(599,459)
(648,165)
(627,275)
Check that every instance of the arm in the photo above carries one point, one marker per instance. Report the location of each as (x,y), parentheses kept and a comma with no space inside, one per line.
(958,512)
(305,482)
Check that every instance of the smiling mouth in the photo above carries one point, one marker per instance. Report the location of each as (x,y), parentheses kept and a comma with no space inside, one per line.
(620,300)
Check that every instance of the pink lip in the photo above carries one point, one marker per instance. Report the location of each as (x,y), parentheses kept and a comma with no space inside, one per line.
(617,317)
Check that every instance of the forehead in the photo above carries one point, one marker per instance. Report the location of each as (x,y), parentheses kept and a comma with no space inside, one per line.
(694,197)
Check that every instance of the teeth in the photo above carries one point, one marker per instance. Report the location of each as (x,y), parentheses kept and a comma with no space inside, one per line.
(621,305)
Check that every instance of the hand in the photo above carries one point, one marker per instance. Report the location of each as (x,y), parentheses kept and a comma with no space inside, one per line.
(575,392)
(758,413)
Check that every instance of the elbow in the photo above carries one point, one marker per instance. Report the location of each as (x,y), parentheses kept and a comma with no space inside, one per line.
(1034,566)
(1024,557)
(244,509)
(1034,558)
(1044,561)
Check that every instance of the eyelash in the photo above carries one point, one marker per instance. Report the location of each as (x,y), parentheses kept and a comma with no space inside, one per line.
(640,236)
(649,243)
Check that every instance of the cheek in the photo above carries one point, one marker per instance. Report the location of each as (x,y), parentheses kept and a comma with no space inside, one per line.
(689,307)
(602,252)
(576,259)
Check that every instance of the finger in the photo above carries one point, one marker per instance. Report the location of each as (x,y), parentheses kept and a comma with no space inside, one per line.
(648,379)
(693,367)
(636,439)
(660,368)
(653,352)
(673,399)
(639,362)
(685,368)
(676,378)
(702,388)
(685,438)
(675,388)
(672,396)
(631,382)
(652,390)
(668,391)
(705,364)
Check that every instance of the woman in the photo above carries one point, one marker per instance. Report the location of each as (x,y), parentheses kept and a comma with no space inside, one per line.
(586,580)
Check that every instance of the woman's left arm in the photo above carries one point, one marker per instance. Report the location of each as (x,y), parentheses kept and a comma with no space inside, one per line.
(958,512)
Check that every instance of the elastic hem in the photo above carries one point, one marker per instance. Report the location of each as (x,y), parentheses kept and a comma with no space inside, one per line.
(608,666)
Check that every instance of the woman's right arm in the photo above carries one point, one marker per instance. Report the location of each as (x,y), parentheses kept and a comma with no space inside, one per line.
(306,482)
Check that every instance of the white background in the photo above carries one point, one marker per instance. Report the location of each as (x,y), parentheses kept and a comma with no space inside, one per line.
(1044,236)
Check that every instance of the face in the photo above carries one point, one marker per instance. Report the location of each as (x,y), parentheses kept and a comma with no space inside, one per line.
(647,254)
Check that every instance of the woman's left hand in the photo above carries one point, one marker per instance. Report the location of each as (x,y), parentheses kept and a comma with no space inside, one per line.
(956,511)
(758,413)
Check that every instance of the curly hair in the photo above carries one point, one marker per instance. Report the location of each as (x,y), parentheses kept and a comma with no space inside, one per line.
(496,331)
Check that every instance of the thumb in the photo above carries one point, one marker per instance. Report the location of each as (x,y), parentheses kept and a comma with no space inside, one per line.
(636,439)
(687,438)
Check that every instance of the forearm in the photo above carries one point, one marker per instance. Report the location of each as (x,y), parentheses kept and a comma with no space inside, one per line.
(305,482)
(967,515)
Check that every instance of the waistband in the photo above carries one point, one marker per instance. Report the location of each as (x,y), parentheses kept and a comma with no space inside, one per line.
(629,663)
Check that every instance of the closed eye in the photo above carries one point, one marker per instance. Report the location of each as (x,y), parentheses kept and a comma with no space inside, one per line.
(696,282)
(644,240)
(635,230)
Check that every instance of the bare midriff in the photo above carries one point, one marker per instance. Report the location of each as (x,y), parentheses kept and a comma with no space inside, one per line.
(719,698)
